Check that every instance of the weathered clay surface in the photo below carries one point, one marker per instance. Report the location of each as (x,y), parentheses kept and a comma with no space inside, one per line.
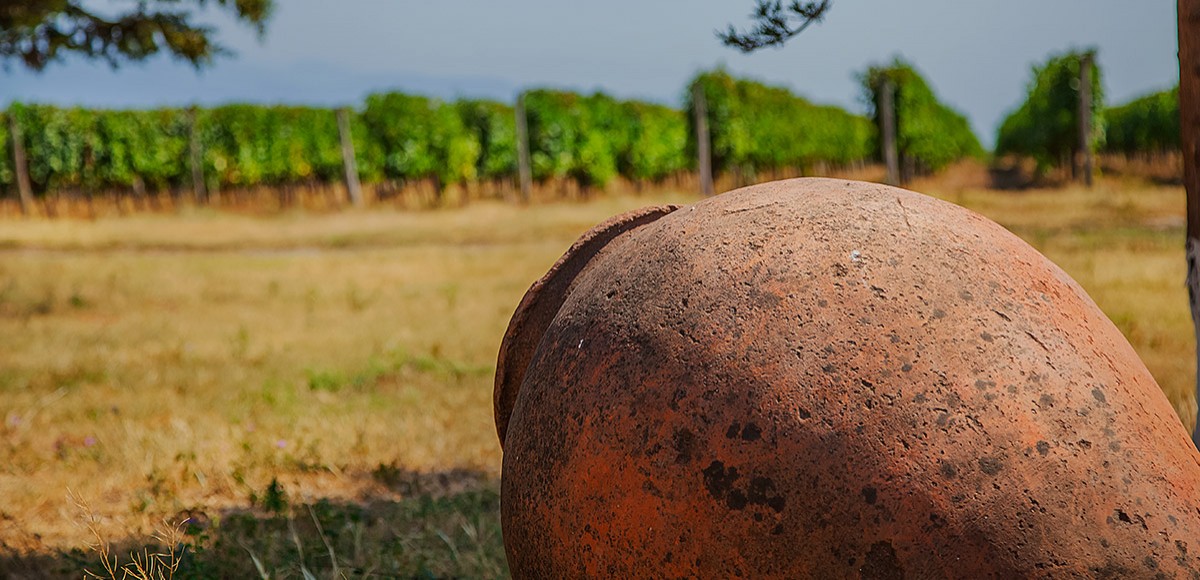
(821,378)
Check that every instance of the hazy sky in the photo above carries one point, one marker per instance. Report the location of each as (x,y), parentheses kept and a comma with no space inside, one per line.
(977,53)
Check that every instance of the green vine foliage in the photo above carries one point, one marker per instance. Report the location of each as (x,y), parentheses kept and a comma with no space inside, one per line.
(248,145)
(1045,127)
(7,176)
(57,145)
(594,138)
(756,127)
(1147,125)
(494,126)
(413,137)
(928,132)
(657,142)
(560,146)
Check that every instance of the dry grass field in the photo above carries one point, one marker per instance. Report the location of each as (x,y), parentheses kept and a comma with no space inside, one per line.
(313,391)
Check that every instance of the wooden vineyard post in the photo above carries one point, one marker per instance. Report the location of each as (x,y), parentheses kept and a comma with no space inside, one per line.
(353,187)
(198,190)
(21,166)
(1085,118)
(1189,112)
(524,171)
(887,116)
(703,141)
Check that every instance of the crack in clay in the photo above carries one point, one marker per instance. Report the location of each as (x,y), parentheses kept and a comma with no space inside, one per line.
(1038,340)
(753,207)
(904,213)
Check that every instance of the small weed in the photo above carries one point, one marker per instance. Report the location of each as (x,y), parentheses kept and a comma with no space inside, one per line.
(324,381)
(160,564)
(358,300)
(239,345)
(77,301)
(273,500)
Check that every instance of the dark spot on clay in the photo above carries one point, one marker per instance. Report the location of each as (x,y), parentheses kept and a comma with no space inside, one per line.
(895,339)
(685,446)
(990,465)
(840,271)
(939,313)
(1103,543)
(679,395)
(777,530)
(1084,443)
(1043,448)
(869,495)
(1114,446)
(986,337)
(982,384)
(719,480)
(764,300)
(1111,570)
(762,492)
(920,398)
(822,303)
(736,500)
(907,367)
(1046,400)
(881,563)
(751,432)
(828,368)
(732,432)
(804,414)
(1099,395)
(966,295)
(1121,515)
(1150,563)
(948,470)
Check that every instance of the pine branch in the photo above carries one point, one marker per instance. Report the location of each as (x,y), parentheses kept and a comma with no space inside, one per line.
(776,23)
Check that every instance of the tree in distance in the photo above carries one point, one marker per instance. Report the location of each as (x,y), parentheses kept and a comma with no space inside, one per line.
(39,32)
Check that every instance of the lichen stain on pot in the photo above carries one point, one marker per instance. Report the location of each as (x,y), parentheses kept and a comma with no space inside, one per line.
(823,378)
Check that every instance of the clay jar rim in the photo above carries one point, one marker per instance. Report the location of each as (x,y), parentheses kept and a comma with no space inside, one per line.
(542,302)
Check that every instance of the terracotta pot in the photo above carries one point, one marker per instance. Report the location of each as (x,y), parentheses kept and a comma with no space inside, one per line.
(822,378)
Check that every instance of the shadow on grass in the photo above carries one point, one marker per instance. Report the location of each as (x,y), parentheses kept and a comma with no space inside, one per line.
(446,525)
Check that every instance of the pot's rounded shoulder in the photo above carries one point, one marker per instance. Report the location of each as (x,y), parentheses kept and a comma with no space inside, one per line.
(543,300)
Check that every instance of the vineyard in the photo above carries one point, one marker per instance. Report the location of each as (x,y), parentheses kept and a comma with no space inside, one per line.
(586,142)
(930,135)
(1045,126)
